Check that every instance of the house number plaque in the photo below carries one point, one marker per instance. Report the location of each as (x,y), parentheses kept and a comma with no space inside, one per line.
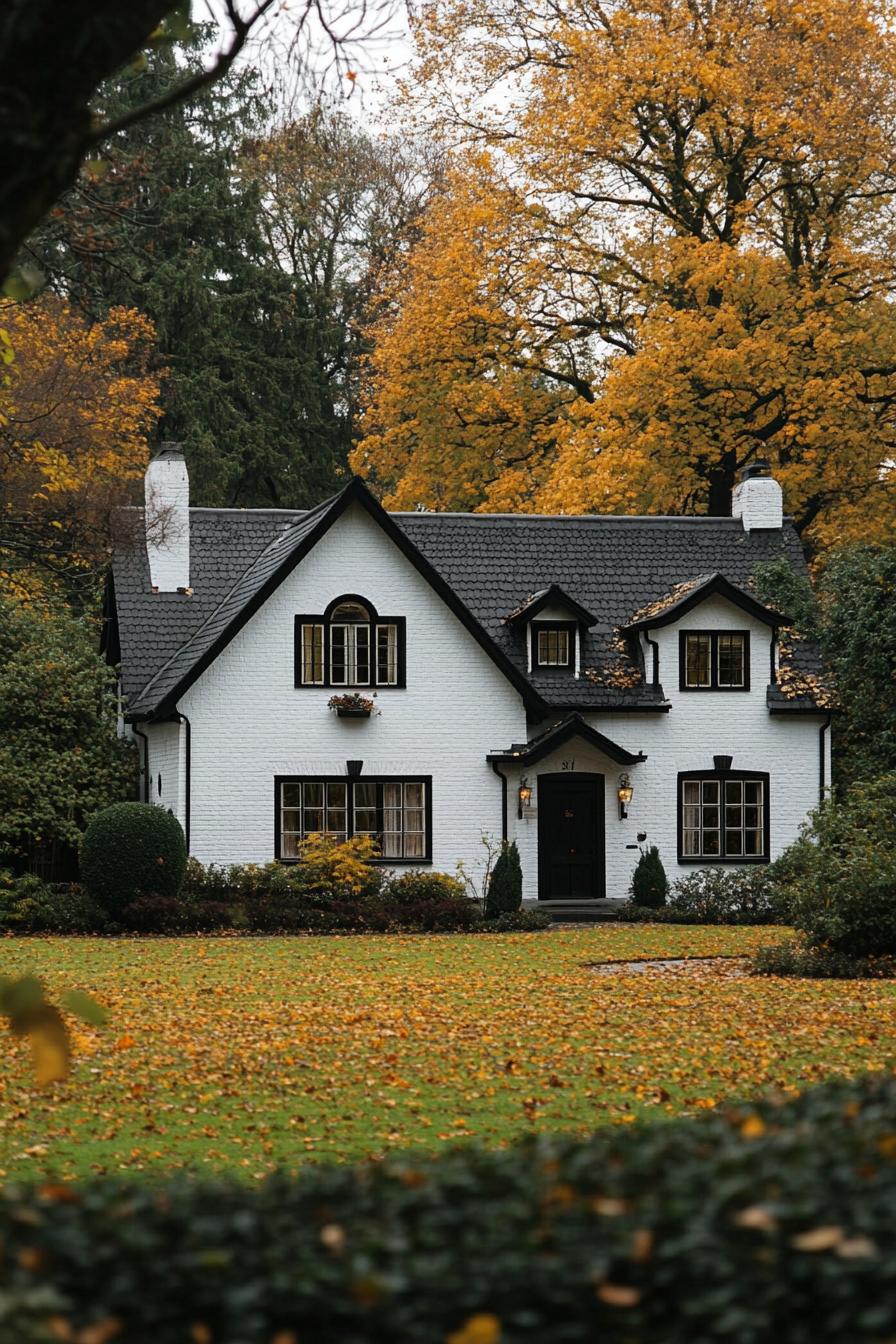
(568,765)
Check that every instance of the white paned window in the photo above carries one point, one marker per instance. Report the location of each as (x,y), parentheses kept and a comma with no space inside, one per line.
(715,660)
(724,818)
(312,655)
(349,645)
(394,813)
(553,648)
(386,655)
(311,807)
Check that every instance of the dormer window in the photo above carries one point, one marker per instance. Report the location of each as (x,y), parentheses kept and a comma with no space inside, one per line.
(552,644)
(714,660)
(553,625)
(349,645)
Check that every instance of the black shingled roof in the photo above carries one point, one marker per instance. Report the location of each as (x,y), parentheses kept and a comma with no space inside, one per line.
(613,566)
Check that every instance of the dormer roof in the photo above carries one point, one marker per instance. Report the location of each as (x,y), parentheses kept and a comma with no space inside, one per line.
(683,597)
(552,596)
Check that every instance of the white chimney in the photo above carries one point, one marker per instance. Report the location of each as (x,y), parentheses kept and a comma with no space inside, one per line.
(758,500)
(167,491)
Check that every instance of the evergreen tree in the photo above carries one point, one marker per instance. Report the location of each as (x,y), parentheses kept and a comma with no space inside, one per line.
(505,888)
(649,882)
(166,222)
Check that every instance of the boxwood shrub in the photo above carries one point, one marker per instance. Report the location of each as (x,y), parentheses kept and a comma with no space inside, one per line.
(131,850)
(768,1222)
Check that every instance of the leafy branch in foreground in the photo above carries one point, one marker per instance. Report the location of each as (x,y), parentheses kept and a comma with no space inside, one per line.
(29,1013)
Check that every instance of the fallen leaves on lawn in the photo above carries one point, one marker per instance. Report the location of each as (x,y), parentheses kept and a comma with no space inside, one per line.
(247,1054)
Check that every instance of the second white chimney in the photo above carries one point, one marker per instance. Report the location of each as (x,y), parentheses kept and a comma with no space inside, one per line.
(758,500)
(167,494)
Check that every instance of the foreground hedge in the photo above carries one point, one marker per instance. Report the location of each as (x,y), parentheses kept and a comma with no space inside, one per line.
(769,1223)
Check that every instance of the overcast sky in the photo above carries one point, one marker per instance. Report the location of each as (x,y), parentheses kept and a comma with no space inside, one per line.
(376,60)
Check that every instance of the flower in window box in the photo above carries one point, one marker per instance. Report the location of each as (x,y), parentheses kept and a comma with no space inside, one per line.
(352,705)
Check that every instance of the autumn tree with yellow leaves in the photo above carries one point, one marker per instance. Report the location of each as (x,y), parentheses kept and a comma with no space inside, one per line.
(665,249)
(77,405)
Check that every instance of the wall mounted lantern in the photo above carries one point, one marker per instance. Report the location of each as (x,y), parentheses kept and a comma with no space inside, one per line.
(524,795)
(624,794)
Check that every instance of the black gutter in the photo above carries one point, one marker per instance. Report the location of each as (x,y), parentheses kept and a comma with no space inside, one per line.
(654,644)
(182,718)
(503,779)
(821,763)
(144,784)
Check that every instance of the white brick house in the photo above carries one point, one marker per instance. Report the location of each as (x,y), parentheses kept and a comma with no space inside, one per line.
(529,672)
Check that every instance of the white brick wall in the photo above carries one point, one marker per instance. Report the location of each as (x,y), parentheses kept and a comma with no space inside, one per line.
(249,723)
(700,725)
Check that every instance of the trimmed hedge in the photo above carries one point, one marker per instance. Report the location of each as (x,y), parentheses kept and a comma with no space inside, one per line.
(765,1223)
(131,850)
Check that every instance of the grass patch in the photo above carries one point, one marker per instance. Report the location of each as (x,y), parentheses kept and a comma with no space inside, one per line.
(247,1054)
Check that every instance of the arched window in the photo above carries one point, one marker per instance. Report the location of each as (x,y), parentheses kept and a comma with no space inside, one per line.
(350,645)
(350,632)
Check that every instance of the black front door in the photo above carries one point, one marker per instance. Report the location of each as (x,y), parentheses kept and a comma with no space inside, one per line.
(570,837)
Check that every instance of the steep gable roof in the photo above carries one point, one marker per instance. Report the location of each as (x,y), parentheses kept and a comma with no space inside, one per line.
(484,565)
(267,572)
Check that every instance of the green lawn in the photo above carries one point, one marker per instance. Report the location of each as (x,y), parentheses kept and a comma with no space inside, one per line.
(251,1053)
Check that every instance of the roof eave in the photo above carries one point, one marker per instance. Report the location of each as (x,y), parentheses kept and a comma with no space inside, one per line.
(718,585)
(574,726)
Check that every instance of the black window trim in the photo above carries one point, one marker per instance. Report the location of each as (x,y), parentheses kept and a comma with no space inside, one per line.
(350,781)
(713,636)
(571,627)
(324,619)
(710,860)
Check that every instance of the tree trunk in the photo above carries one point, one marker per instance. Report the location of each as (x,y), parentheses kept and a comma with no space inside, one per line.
(54,54)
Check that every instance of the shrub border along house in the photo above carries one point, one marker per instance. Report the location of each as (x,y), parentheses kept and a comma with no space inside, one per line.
(139,881)
(767,1222)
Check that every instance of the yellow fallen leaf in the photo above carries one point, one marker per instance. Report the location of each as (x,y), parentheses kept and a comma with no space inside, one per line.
(50,1053)
(619,1294)
(483,1328)
(823,1238)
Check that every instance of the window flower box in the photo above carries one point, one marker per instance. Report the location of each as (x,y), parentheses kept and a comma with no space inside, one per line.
(352,706)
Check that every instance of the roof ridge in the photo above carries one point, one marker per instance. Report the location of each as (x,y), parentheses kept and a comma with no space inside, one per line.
(578,517)
(243,513)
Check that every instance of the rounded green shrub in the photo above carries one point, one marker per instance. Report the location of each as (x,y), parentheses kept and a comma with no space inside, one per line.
(649,881)
(131,850)
(505,889)
(844,889)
